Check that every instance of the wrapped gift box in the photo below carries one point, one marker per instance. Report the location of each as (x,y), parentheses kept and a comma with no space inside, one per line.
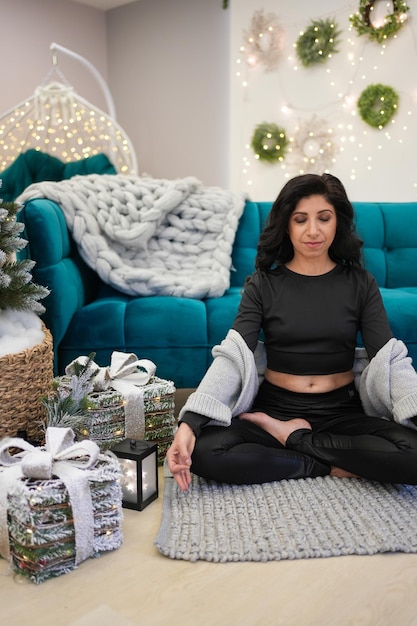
(159,414)
(127,401)
(105,421)
(47,534)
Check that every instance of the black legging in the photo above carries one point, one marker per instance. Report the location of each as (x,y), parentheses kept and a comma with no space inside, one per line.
(342,435)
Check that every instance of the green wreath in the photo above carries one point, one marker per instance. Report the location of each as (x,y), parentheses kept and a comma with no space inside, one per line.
(377,104)
(269,142)
(318,42)
(394,21)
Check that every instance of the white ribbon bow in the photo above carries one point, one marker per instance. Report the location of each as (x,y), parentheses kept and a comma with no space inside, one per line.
(59,457)
(128,375)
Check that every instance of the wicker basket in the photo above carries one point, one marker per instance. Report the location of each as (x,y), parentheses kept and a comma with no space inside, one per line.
(24,377)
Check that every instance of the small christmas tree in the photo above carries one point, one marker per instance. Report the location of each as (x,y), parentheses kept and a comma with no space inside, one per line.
(17,291)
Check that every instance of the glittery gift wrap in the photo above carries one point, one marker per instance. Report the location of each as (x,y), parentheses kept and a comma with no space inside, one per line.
(41,526)
(159,410)
(150,415)
(105,420)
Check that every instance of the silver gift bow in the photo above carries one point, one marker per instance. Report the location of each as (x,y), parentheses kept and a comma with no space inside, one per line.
(59,457)
(128,375)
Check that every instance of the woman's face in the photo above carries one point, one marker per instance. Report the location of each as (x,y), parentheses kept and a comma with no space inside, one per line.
(312,227)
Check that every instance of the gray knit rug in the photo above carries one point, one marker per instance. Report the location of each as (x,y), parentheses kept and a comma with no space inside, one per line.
(294,519)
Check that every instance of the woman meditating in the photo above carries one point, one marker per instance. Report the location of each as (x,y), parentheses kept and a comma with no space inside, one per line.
(307,300)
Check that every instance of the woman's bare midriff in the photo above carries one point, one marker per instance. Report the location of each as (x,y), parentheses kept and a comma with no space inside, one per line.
(309,384)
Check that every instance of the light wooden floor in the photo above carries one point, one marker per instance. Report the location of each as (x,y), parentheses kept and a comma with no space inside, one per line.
(137,585)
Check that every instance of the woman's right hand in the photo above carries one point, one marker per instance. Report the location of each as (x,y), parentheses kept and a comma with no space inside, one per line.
(179,455)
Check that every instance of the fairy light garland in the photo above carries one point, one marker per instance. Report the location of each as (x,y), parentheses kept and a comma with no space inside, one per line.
(318,43)
(393,22)
(342,88)
(65,126)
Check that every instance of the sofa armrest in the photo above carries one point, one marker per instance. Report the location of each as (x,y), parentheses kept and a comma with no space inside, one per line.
(58,265)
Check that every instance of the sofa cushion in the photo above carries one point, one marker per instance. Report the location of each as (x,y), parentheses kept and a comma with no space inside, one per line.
(390,233)
(371,228)
(221,313)
(401,307)
(400,243)
(170,331)
(244,251)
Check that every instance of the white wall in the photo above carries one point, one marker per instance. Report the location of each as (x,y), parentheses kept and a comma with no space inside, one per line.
(374,164)
(28,27)
(169,74)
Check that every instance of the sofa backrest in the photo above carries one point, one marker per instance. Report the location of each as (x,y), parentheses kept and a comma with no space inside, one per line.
(388,230)
(244,249)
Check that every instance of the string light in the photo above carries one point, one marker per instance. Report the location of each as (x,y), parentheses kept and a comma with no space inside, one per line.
(354,138)
(129,480)
(64,124)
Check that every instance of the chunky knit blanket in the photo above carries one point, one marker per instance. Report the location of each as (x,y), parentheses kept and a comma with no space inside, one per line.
(145,236)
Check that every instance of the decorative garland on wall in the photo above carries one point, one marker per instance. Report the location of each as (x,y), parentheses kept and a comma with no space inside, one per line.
(377,104)
(269,142)
(313,147)
(262,41)
(393,22)
(318,43)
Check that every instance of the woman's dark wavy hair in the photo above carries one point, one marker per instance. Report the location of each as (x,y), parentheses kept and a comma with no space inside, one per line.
(275,247)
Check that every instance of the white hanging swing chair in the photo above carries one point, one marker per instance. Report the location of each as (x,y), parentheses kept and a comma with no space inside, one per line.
(58,121)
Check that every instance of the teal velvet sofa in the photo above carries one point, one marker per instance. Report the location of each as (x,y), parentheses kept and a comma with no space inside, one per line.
(85,315)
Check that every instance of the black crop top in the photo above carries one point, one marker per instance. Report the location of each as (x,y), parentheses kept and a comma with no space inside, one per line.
(310,323)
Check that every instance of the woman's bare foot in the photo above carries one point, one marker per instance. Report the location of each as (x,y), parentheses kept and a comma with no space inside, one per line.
(279,429)
(341,473)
